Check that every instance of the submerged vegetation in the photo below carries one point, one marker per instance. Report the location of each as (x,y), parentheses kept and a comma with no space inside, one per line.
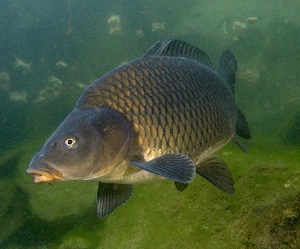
(63,47)
(263,213)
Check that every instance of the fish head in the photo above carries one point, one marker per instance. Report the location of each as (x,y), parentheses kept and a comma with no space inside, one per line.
(88,144)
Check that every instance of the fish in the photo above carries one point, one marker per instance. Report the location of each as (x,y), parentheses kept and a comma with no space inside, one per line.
(160,116)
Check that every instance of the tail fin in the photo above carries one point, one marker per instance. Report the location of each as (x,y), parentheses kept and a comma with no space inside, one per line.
(227,70)
(242,127)
(241,130)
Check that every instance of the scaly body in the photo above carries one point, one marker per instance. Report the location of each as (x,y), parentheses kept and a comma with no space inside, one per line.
(160,116)
(175,105)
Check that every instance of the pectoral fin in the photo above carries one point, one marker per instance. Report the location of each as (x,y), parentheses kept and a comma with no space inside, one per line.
(176,167)
(110,196)
(215,171)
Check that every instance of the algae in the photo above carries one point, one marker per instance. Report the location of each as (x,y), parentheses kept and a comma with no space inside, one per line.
(263,213)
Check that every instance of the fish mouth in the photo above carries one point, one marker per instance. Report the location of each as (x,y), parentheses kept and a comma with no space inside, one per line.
(44,176)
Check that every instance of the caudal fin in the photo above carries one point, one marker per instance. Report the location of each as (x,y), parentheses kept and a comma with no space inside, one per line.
(242,128)
(227,70)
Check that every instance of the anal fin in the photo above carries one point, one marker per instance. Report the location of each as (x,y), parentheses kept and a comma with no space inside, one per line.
(110,196)
(215,171)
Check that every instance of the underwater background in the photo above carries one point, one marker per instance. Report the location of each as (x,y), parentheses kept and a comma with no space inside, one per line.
(51,50)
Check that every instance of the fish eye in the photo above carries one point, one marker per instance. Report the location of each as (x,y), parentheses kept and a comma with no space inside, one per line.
(70,142)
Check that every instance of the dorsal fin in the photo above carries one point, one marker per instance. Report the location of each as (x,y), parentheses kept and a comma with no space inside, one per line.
(178,48)
(228,68)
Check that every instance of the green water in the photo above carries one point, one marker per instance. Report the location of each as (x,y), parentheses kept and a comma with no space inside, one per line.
(263,213)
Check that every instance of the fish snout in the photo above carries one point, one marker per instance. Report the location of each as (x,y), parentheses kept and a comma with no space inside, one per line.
(39,175)
(42,172)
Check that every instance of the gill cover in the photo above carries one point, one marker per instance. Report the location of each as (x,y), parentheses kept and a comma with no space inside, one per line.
(115,134)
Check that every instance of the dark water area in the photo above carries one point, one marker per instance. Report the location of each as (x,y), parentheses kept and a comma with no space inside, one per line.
(51,50)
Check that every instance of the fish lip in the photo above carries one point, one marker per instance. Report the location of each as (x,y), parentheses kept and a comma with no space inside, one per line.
(42,175)
(42,170)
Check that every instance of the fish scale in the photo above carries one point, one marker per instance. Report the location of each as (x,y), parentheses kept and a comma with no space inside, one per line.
(171,106)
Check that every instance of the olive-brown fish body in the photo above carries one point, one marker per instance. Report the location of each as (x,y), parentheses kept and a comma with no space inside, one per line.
(175,105)
(160,116)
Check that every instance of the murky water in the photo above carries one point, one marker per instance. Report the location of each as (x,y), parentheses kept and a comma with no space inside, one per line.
(50,51)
